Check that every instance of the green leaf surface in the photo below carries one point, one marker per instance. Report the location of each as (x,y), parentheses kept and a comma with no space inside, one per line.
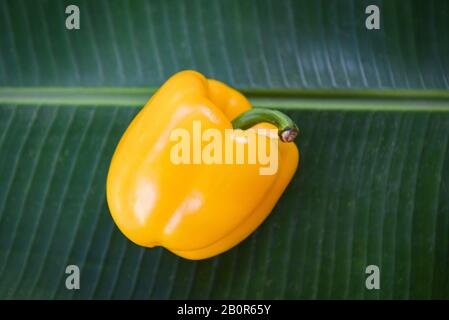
(373,110)
(371,189)
(252,43)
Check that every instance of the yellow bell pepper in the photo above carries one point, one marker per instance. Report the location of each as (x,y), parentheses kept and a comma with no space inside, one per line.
(194,210)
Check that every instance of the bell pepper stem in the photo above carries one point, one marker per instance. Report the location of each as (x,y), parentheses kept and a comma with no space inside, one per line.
(287,129)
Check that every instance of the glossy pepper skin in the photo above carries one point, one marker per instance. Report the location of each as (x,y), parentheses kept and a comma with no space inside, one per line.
(195,211)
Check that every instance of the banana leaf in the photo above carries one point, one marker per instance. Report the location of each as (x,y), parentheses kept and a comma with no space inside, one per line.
(373,109)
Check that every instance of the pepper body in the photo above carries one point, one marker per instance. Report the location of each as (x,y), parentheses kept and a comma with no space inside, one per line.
(194,210)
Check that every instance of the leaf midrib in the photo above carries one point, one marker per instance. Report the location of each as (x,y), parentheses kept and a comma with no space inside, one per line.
(294,99)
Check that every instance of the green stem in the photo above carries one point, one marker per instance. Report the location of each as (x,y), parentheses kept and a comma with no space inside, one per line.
(287,129)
